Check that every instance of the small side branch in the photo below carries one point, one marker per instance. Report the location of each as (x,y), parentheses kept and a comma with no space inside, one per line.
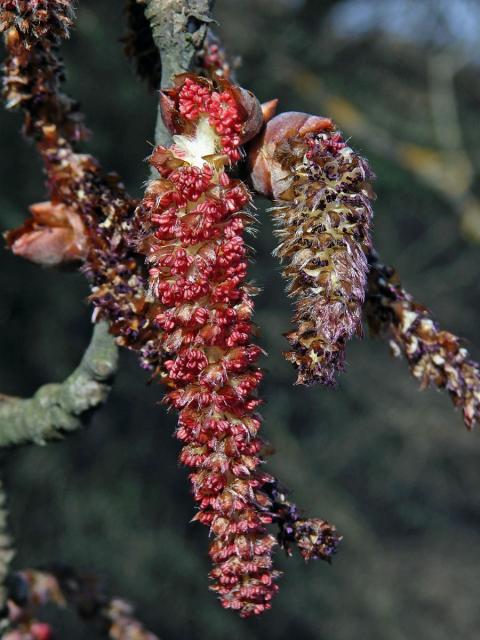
(56,409)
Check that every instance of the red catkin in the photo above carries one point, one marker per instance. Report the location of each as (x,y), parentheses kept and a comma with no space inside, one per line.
(191,225)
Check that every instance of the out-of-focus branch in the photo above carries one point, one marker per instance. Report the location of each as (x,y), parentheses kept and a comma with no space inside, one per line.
(442,68)
(56,409)
(448,172)
(30,590)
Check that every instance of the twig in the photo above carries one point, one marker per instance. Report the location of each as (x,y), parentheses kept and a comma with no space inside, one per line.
(442,68)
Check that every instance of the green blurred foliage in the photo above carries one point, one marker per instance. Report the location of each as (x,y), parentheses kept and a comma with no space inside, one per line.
(392,467)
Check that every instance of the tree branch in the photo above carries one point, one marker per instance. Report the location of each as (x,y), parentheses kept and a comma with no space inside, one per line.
(56,409)
(179,28)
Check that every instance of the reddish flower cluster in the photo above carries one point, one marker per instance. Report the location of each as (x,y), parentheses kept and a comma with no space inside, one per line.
(191,222)
(212,58)
(220,108)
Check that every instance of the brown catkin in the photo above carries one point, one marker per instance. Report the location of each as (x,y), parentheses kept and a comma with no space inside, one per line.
(322,220)
(435,357)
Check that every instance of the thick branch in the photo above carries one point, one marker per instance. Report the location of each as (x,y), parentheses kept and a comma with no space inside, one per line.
(56,409)
(179,28)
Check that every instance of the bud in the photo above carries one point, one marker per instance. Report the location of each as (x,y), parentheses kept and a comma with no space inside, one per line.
(179,107)
(266,173)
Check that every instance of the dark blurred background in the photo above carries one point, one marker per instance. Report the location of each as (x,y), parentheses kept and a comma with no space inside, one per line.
(393,468)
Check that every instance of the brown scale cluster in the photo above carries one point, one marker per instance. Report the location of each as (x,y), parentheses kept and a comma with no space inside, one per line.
(88,215)
(322,209)
(435,357)
(32,71)
(117,285)
(316,539)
